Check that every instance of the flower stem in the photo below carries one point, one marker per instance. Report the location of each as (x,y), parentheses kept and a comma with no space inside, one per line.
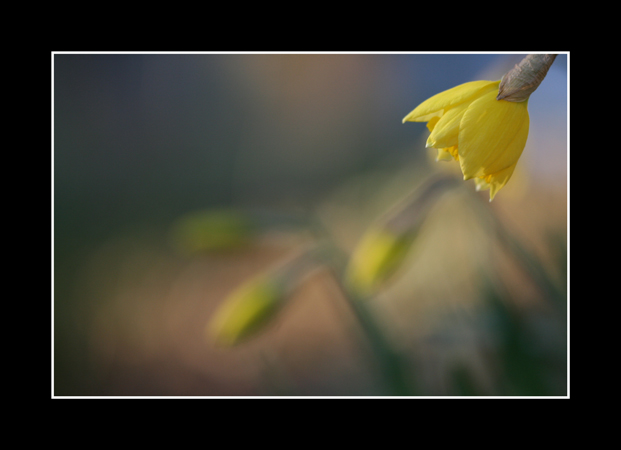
(396,378)
(392,365)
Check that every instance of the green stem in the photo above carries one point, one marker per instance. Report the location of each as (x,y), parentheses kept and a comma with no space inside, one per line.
(397,379)
(390,362)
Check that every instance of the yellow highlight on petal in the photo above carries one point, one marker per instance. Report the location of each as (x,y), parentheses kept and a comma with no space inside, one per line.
(245,310)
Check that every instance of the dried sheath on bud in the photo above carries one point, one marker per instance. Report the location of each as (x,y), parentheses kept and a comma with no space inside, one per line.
(524,78)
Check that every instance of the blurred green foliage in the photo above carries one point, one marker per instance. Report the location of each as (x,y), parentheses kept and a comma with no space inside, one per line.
(213,230)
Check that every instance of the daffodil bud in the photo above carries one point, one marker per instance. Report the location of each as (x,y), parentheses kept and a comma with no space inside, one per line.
(384,247)
(256,302)
(378,255)
(212,230)
(521,81)
(484,125)
(245,311)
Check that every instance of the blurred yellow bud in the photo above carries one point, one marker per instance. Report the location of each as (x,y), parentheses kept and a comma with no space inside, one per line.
(386,244)
(246,310)
(377,257)
(249,307)
(212,230)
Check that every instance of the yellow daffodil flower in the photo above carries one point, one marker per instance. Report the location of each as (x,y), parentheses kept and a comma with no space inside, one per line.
(485,135)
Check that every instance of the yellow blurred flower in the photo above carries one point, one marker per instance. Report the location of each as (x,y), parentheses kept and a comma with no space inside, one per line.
(377,257)
(245,311)
(251,306)
(485,135)
(386,244)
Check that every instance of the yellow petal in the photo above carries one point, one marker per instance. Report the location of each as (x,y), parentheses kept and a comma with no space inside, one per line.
(446,131)
(492,135)
(447,154)
(453,151)
(481,183)
(432,123)
(436,105)
(444,155)
(494,182)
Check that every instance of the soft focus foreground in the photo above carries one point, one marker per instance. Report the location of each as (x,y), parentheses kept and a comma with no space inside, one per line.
(283,150)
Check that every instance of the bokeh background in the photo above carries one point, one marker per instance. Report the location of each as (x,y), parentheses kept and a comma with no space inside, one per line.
(140,140)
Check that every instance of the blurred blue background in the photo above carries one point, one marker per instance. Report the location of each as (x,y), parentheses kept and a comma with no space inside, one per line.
(141,139)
